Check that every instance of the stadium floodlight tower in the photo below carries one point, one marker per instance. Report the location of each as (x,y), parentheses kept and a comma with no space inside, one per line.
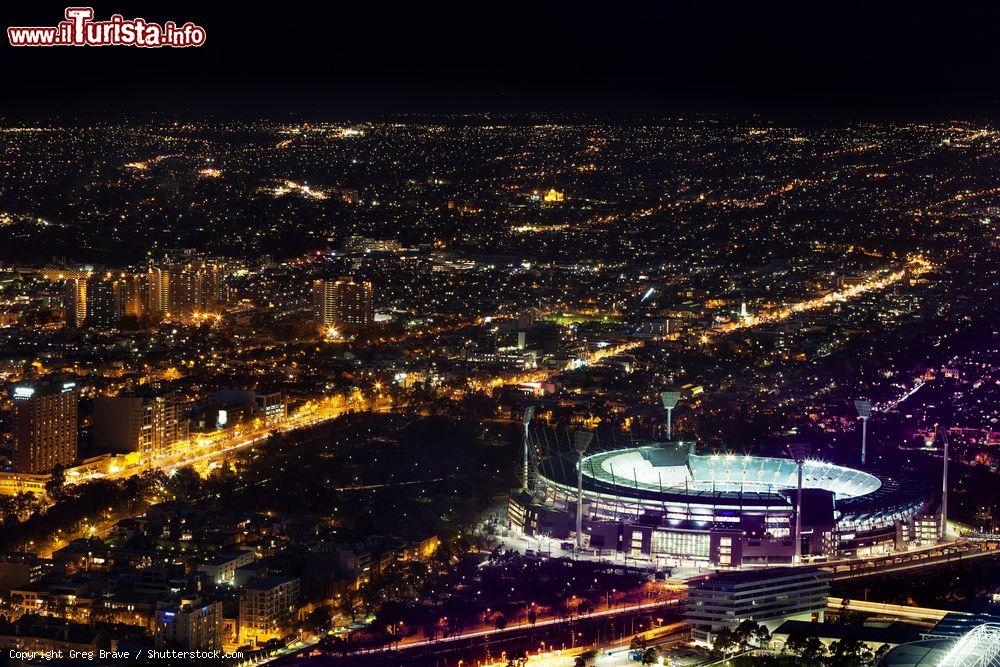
(669,400)
(581,441)
(944,484)
(529,412)
(864,409)
(799,453)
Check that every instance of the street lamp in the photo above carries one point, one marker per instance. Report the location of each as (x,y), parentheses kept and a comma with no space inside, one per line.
(864,409)
(529,412)
(669,400)
(581,440)
(799,453)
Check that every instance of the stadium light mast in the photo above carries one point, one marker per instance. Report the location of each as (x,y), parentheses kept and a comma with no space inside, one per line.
(669,400)
(799,453)
(529,412)
(944,485)
(581,441)
(864,409)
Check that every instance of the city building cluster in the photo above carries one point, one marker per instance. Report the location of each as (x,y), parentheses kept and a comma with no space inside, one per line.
(334,389)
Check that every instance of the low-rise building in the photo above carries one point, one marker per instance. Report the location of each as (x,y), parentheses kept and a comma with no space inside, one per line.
(873,637)
(19,569)
(189,624)
(768,597)
(267,608)
(221,568)
(73,598)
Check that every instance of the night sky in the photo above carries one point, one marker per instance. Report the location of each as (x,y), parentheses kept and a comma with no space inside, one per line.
(524,56)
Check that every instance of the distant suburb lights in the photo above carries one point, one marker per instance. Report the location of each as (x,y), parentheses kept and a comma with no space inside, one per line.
(80,29)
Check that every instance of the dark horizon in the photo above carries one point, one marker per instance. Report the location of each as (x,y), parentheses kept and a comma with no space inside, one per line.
(554,57)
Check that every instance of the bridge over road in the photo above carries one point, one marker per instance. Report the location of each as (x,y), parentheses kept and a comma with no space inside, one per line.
(943,554)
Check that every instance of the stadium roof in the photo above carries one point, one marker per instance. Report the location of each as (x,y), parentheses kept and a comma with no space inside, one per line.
(958,623)
(980,647)
(668,472)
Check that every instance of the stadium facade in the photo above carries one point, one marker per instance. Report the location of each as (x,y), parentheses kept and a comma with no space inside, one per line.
(666,504)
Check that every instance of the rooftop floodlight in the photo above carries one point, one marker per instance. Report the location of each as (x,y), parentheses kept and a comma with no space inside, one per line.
(669,400)
(799,452)
(864,409)
(581,440)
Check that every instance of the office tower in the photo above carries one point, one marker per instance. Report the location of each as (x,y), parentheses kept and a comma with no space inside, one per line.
(158,292)
(75,302)
(185,283)
(148,424)
(102,300)
(343,302)
(195,287)
(323,302)
(44,425)
(103,309)
(183,290)
(132,294)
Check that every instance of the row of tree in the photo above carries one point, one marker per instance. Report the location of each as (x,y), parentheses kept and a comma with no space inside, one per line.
(750,635)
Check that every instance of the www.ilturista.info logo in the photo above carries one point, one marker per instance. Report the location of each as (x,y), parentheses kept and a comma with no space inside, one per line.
(80,29)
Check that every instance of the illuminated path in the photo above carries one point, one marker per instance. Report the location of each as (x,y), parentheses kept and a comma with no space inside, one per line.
(892,405)
(674,600)
(546,374)
(219,448)
(915,266)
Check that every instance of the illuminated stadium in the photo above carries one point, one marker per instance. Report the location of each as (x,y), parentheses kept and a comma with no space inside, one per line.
(665,503)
